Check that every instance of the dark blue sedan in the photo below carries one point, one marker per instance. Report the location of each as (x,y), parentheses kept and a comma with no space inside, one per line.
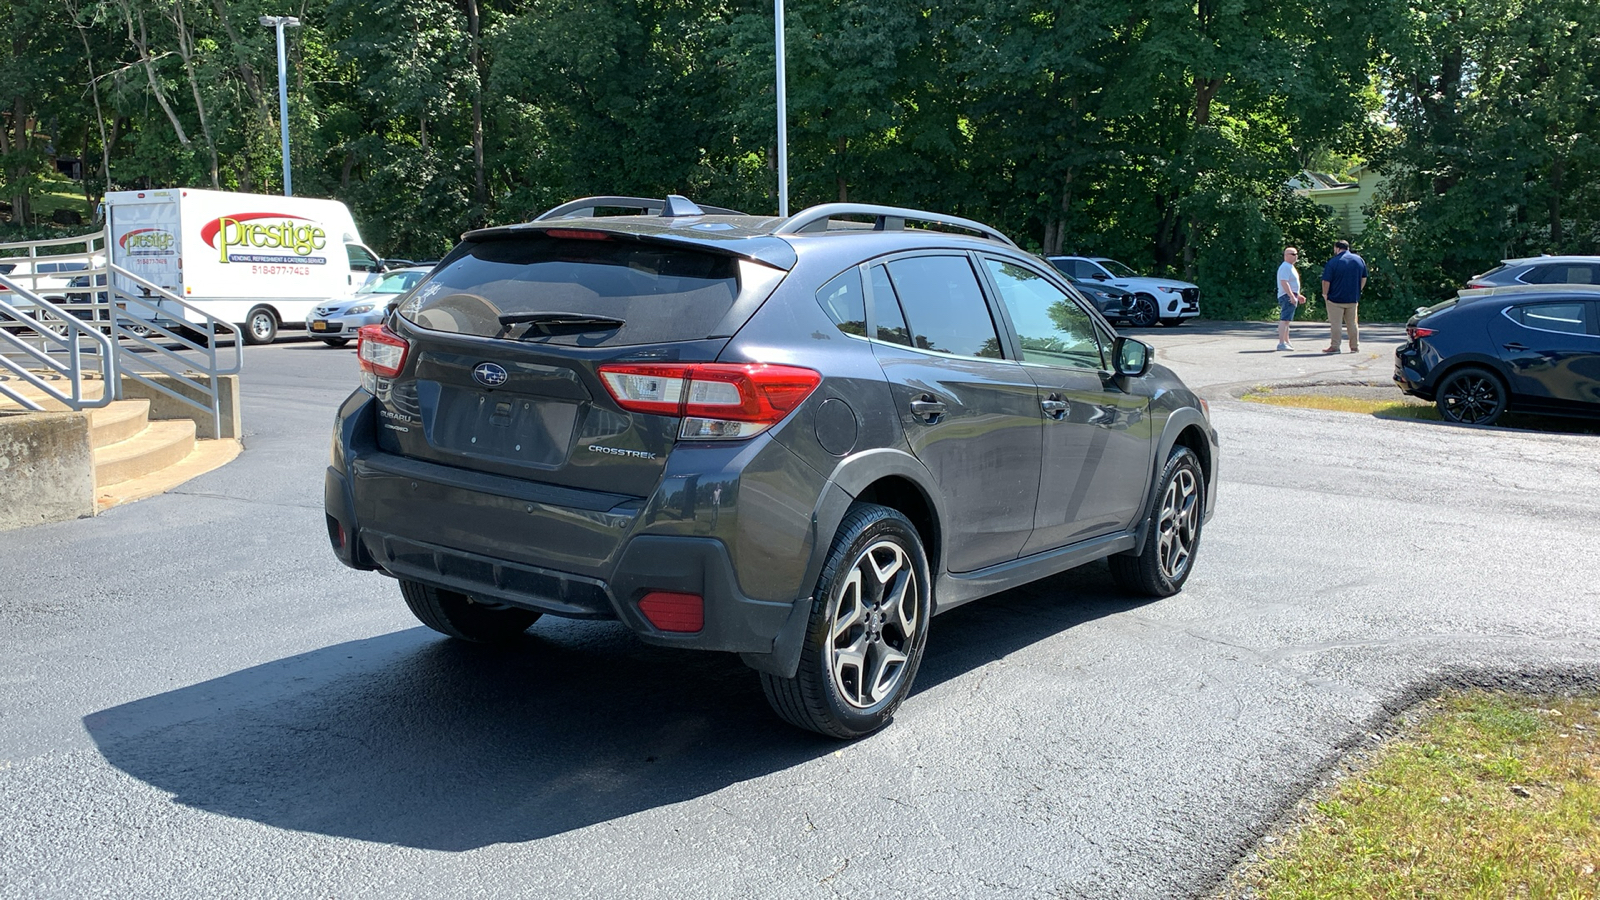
(1533,348)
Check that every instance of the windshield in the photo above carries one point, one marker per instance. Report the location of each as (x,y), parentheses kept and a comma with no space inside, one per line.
(1117,269)
(393,283)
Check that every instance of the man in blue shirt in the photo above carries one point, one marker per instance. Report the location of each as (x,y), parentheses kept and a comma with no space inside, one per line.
(1343,278)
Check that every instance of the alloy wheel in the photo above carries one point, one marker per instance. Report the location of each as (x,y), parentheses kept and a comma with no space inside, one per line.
(873,625)
(1179,524)
(1143,312)
(1471,398)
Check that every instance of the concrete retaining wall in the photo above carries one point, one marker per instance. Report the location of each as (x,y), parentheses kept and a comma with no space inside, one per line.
(46,468)
(165,406)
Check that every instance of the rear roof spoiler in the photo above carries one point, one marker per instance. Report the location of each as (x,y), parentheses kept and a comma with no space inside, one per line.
(673,206)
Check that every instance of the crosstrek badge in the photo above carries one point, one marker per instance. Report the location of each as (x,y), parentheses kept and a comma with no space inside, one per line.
(238,238)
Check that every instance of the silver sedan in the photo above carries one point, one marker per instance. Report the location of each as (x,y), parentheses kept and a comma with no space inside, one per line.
(335,323)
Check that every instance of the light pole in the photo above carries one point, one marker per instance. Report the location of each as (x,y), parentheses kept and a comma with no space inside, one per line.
(783,117)
(280,23)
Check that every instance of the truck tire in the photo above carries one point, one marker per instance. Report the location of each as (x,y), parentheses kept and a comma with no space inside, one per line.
(261,326)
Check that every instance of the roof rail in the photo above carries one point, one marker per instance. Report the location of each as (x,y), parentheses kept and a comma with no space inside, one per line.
(889,218)
(673,206)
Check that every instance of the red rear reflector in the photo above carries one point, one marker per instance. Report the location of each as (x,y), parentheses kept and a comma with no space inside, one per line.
(674,612)
(381,351)
(576,234)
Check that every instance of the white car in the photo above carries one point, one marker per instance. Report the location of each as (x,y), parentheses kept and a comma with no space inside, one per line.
(1163,300)
(336,322)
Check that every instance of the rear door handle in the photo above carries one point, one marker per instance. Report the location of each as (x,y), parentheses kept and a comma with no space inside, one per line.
(927,409)
(1055,407)
(1514,346)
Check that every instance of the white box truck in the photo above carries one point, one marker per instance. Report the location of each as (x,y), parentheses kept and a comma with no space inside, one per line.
(256,260)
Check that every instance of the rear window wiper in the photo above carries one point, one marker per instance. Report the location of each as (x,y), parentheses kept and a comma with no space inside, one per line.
(548,323)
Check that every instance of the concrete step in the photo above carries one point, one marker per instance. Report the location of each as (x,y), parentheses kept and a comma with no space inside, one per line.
(122,420)
(207,455)
(162,444)
(93,389)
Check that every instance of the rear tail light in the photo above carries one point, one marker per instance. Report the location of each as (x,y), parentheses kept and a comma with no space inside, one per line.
(382,352)
(1413,332)
(1476,285)
(577,234)
(674,612)
(717,401)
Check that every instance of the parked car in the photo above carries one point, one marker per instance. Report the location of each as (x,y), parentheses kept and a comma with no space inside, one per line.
(1528,348)
(1163,300)
(1113,302)
(1540,270)
(792,439)
(337,321)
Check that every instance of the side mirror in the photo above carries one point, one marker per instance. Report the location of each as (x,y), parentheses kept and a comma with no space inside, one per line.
(1132,357)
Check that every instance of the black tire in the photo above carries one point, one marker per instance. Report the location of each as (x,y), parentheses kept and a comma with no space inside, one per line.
(1143,311)
(829,693)
(1471,396)
(1177,513)
(460,616)
(261,326)
(336,342)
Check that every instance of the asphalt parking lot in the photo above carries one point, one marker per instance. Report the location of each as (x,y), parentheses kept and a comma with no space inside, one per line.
(197,700)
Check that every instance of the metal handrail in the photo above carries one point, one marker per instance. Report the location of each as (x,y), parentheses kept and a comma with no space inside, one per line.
(68,338)
(128,340)
(134,332)
(887,218)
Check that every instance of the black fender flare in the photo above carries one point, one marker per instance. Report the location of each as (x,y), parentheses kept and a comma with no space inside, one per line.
(1180,419)
(849,478)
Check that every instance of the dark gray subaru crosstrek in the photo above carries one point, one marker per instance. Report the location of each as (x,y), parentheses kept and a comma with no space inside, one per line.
(794,439)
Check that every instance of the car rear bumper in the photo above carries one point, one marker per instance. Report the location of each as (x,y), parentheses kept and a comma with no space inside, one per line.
(1410,373)
(425,522)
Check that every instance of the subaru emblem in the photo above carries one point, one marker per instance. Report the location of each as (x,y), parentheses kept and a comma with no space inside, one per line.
(489,374)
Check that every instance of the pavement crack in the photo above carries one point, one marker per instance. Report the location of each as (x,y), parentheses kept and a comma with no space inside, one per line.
(211,496)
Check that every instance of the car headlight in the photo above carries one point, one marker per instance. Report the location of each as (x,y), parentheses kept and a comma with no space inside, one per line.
(358,310)
(1167,290)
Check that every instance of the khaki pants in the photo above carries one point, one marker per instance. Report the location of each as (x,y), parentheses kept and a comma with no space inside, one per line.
(1343,313)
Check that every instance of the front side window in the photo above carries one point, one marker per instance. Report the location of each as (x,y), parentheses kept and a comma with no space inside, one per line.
(944,306)
(360,259)
(1051,327)
(1566,318)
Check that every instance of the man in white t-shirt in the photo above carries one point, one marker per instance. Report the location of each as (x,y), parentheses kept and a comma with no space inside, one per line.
(1289,296)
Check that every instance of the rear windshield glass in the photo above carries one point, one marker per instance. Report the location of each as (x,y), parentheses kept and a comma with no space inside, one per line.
(659,293)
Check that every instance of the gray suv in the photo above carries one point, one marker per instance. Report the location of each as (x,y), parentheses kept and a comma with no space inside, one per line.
(793,439)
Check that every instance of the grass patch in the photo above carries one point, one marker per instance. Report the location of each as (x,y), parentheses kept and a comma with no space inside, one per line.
(1485,795)
(1389,407)
(1404,407)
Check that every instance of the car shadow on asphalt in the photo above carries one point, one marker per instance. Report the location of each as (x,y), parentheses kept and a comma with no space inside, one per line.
(419,741)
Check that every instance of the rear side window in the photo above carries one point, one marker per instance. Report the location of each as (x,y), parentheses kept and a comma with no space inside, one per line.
(886,314)
(844,303)
(1566,318)
(661,294)
(1561,273)
(944,305)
